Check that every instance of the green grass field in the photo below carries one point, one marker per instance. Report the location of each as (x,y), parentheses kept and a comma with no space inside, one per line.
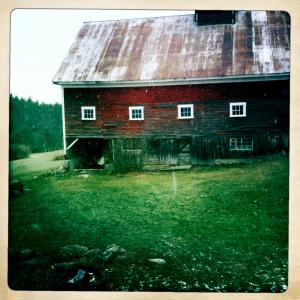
(217,228)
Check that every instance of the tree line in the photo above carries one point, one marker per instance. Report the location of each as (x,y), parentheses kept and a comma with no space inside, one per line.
(33,127)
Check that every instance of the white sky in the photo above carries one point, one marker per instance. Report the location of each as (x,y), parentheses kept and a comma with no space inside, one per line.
(41,38)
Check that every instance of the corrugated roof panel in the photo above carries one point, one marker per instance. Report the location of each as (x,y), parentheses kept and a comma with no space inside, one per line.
(168,48)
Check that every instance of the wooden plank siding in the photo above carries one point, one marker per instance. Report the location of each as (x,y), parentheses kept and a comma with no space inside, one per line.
(171,151)
(267,110)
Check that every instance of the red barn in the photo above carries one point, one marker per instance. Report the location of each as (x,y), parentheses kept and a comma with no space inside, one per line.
(177,90)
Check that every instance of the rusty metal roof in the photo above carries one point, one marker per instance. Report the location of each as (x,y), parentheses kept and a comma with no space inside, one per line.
(174,48)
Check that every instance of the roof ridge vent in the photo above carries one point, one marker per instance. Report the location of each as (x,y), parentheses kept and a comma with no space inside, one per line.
(214,17)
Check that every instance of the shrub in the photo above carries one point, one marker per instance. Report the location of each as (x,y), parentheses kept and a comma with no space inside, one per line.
(18,151)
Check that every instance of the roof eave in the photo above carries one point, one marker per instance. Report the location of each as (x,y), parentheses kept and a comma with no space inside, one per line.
(184,81)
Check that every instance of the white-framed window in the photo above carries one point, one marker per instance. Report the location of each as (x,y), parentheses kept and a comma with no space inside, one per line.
(185,111)
(88,113)
(136,113)
(241,144)
(237,109)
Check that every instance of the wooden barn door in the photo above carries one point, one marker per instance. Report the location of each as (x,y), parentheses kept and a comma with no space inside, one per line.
(184,151)
(167,150)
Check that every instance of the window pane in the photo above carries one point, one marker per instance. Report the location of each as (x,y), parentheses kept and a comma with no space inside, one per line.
(241,144)
(186,112)
(88,113)
(238,109)
(136,114)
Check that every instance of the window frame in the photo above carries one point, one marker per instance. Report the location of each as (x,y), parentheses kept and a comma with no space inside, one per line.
(179,106)
(232,104)
(83,108)
(242,148)
(131,108)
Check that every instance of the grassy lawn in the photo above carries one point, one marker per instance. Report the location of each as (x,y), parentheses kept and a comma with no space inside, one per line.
(217,228)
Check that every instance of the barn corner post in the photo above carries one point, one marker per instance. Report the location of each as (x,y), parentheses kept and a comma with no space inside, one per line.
(63,121)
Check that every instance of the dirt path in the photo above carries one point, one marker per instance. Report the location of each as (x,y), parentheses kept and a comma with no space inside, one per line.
(36,164)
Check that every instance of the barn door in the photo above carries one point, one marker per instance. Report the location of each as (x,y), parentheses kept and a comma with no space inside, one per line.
(168,153)
(184,152)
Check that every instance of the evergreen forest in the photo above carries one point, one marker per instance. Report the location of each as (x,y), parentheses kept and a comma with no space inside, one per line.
(33,127)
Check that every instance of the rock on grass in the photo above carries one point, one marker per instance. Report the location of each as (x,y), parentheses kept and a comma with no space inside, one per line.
(159,261)
(70,252)
(113,251)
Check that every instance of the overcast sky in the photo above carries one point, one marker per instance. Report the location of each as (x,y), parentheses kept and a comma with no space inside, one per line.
(40,39)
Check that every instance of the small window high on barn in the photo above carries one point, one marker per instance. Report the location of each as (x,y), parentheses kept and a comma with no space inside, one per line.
(185,111)
(241,144)
(88,113)
(237,109)
(136,113)
(214,17)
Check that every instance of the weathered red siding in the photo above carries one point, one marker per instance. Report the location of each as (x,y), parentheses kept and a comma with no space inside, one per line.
(267,110)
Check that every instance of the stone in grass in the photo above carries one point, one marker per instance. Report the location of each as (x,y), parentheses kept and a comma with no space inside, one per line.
(27,254)
(80,257)
(86,279)
(78,277)
(60,172)
(158,261)
(37,261)
(70,252)
(16,187)
(83,176)
(112,252)
(65,266)
(94,253)
(91,260)
(19,256)
(31,258)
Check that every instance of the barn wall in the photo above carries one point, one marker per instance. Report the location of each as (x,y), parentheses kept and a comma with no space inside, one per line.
(126,154)
(267,110)
(185,151)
